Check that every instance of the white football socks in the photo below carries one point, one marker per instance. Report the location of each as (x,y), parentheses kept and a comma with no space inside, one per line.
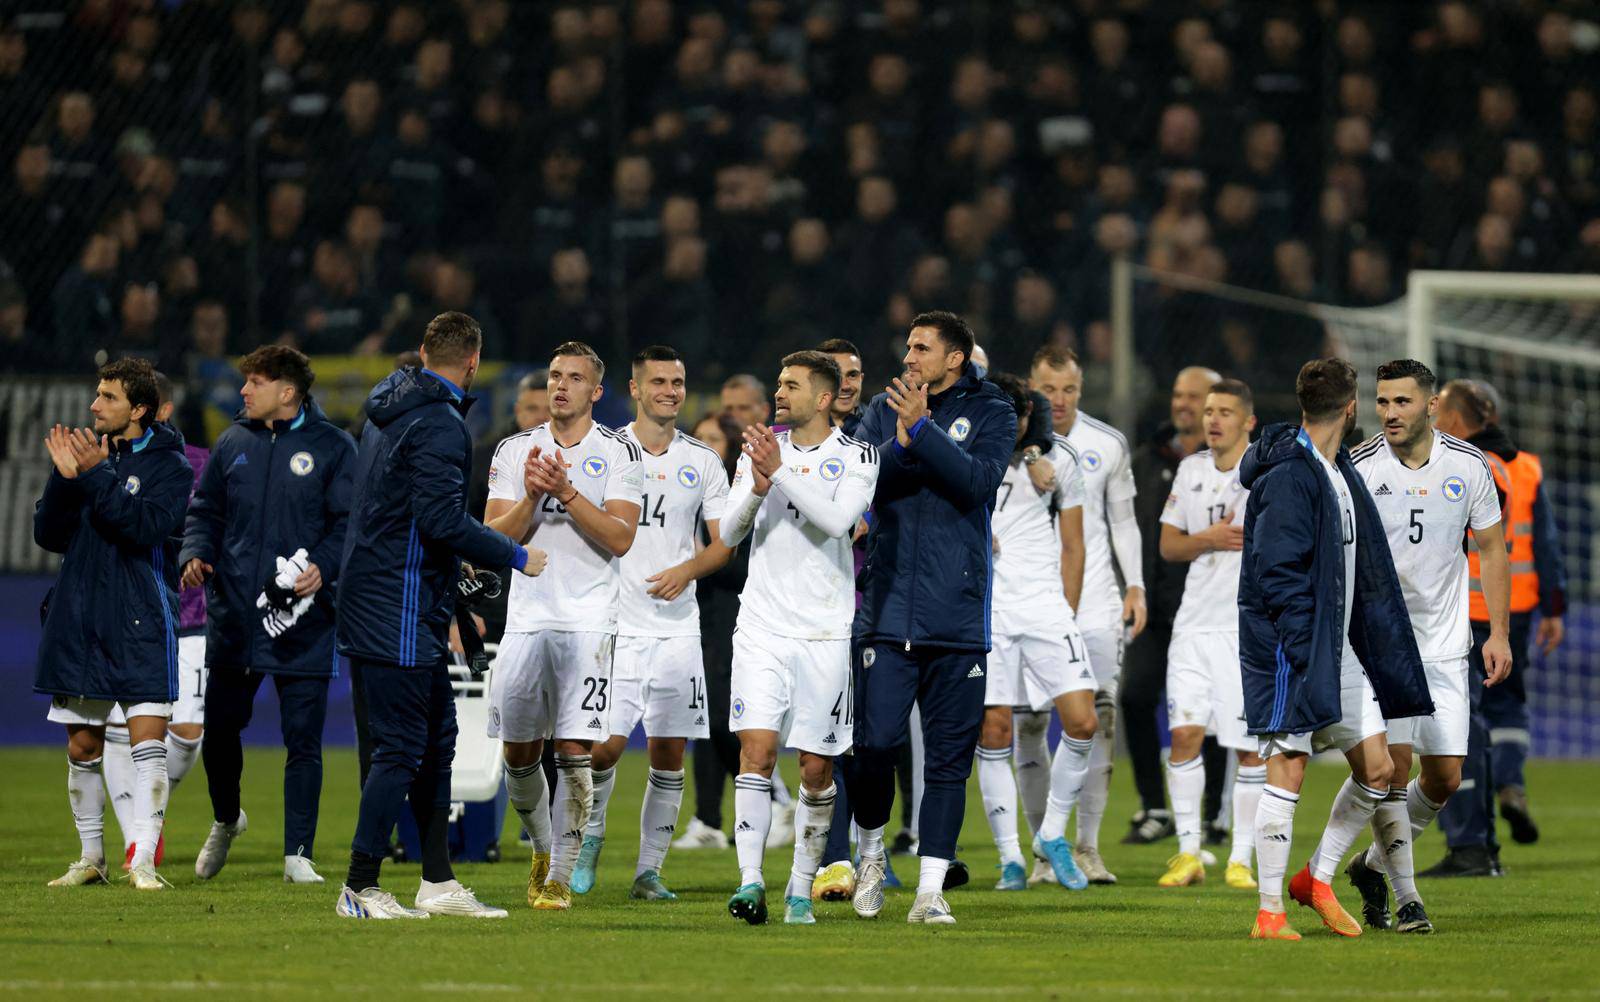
(658,817)
(574,802)
(999,788)
(931,878)
(1352,811)
(1274,837)
(181,753)
(604,781)
(813,818)
(1030,739)
(869,843)
(120,780)
(752,814)
(86,792)
(149,798)
(530,798)
(1247,784)
(1096,791)
(1068,771)
(1413,807)
(1186,785)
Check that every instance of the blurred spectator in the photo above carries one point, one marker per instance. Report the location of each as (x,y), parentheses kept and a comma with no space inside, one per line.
(22,349)
(330,315)
(569,311)
(674,305)
(85,317)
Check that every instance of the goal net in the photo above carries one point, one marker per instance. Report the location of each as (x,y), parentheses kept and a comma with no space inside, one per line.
(1534,338)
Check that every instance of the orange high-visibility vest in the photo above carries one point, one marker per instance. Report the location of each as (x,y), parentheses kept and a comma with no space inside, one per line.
(1519,481)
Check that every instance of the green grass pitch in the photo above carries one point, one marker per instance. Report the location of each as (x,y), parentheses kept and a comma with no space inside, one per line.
(247,935)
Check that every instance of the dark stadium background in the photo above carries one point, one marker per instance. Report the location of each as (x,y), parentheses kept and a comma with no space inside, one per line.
(185,180)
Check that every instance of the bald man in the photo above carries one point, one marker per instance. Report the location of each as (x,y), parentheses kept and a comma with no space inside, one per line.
(1144,673)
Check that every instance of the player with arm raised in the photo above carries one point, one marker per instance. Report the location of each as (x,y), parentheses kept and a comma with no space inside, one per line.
(1108,613)
(1202,526)
(1039,658)
(575,486)
(1431,490)
(800,493)
(658,676)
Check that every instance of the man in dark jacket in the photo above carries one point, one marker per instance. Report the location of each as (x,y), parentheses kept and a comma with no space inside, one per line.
(922,632)
(408,534)
(113,506)
(1325,642)
(276,494)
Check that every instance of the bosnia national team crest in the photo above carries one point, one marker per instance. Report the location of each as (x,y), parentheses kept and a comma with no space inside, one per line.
(594,466)
(301,463)
(737,707)
(1090,460)
(131,485)
(1455,489)
(832,468)
(688,476)
(867,657)
(960,428)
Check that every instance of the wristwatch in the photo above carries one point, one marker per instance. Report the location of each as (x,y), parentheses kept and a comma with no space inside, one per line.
(1031,455)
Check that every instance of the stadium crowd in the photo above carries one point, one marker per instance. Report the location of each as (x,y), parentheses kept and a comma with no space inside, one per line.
(189,180)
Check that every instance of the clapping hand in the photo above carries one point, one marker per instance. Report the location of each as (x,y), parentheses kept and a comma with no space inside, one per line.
(765,456)
(910,403)
(75,450)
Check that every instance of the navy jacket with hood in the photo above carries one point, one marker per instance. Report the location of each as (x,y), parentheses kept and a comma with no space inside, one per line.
(111,621)
(268,490)
(409,527)
(930,569)
(1291,594)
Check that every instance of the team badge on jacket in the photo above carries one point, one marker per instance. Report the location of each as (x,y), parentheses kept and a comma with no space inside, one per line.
(960,428)
(301,463)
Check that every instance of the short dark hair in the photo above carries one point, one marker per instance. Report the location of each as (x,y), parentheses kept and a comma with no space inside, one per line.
(577,349)
(138,379)
(1324,386)
(821,365)
(1401,368)
(163,386)
(452,338)
(1466,397)
(656,353)
(839,346)
(1235,388)
(1016,388)
(279,361)
(954,331)
(1055,357)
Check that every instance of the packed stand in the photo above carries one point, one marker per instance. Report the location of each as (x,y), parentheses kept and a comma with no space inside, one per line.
(189,180)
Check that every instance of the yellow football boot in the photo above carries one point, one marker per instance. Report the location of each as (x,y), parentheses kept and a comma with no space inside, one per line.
(1183,870)
(1239,876)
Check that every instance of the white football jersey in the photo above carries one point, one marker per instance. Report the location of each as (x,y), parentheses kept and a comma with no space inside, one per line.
(1107,478)
(1347,533)
(578,590)
(1201,496)
(1028,600)
(681,486)
(802,576)
(1426,514)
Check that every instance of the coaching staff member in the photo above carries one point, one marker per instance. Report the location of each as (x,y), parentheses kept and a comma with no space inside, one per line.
(944,438)
(409,531)
(278,484)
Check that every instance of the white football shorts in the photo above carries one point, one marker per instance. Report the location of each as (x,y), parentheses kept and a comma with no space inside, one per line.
(1205,687)
(799,688)
(1444,732)
(551,684)
(662,682)
(1031,671)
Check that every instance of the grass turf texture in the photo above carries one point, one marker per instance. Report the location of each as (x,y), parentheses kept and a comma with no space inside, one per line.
(248,935)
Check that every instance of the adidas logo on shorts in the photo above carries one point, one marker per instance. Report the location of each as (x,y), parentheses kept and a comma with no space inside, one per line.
(700,720)
(976,672)
(595,725)
(830,739)
(1084,673)
(1383,491)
